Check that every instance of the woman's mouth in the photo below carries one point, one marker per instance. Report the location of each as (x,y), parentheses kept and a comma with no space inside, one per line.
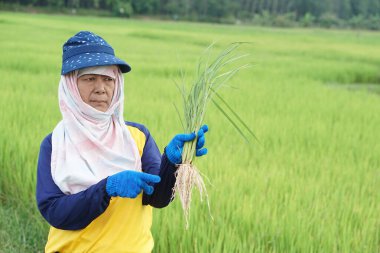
(98,101)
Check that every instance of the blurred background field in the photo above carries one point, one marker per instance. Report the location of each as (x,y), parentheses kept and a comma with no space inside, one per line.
(311,97)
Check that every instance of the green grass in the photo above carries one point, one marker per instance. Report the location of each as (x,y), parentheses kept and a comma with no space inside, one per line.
(312,185)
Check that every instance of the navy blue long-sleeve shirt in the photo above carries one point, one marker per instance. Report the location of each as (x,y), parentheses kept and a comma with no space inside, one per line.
(76,211)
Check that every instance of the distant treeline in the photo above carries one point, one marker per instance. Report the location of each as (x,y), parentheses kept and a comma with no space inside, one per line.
(325,13)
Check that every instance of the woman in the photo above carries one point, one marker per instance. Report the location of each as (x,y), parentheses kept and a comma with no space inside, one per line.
(99,176)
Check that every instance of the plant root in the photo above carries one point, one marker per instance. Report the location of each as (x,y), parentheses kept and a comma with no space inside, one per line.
(188,176)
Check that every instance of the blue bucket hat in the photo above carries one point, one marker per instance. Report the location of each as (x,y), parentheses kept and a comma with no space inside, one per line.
(86,49)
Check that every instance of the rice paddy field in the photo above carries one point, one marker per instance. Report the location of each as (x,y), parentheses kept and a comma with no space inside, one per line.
(312,97)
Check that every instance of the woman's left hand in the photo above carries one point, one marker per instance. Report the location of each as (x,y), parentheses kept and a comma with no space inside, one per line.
(175,147)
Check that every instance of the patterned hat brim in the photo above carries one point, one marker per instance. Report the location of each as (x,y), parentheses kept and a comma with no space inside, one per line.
(86,60)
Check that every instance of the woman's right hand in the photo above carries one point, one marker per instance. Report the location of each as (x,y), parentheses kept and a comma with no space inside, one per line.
(129,184)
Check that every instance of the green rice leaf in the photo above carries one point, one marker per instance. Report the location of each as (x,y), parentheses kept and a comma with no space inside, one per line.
(230,120)
(211,76)
(237,116)
(180,118)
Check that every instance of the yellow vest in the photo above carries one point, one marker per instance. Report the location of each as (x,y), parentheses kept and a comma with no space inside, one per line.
(123,227)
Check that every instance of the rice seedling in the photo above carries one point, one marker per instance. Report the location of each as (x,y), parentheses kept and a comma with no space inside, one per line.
(210,77)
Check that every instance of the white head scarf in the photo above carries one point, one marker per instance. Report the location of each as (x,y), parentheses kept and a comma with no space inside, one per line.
(88,145)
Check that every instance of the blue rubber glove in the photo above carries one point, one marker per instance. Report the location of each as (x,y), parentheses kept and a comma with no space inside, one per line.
(175,147)
(129,184)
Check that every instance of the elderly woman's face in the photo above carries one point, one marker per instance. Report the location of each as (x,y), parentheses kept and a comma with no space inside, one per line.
(96,90)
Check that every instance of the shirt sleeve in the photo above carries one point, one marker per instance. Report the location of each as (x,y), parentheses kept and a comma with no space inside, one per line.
(154,163)
(163,191)
(68,212)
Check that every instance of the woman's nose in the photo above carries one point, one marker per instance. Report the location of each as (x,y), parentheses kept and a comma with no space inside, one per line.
(100,87)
